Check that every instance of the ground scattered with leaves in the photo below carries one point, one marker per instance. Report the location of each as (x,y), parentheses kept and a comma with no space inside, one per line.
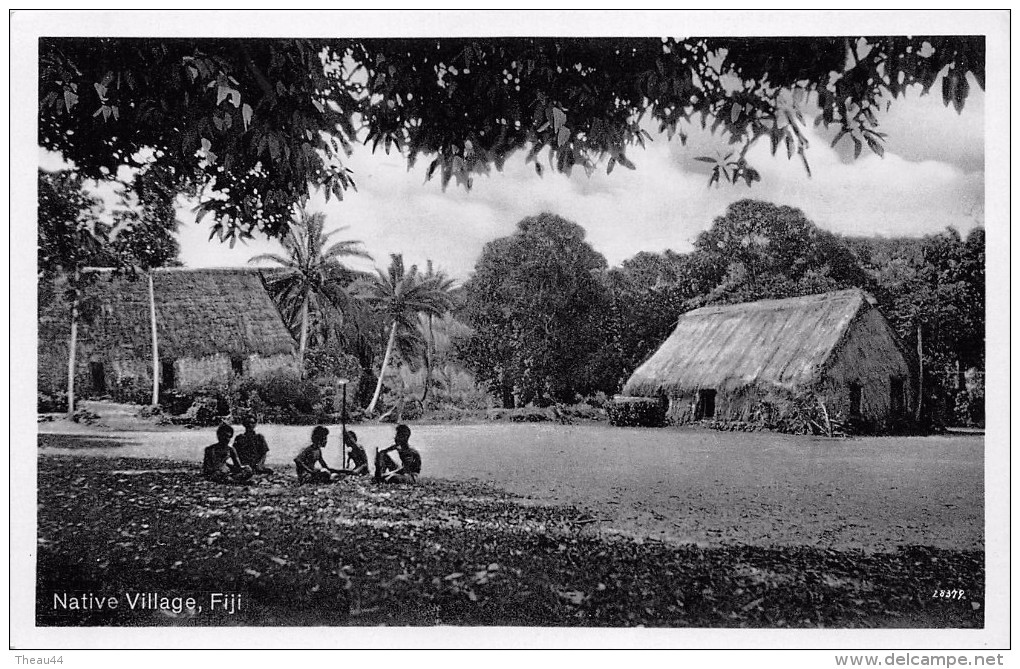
(440,552)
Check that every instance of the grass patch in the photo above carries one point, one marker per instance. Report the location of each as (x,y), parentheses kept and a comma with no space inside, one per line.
(446,553)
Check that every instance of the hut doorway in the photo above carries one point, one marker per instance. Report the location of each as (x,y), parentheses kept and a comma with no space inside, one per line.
(237,365)
(98,373)
(897,398)
(706,404)
(168,374)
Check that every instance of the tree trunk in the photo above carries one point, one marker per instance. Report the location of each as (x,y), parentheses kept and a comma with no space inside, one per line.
(920,376)
(429,350)
(304,336)
(382,371)
(155,343)
(71,358)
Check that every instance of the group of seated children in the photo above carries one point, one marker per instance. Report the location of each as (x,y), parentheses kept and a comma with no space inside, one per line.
(224,463)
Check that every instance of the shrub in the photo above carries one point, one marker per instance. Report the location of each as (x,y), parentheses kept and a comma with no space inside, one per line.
(51,402)
(497,414)
(531,414)
(204,412)
(149,412)
(175,402)
(636,412)
(280,390)
(85,416)
(581,411)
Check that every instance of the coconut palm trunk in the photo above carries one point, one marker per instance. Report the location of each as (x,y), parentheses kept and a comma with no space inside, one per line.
(382,371)
(155,343)
(304,335)
(430,349)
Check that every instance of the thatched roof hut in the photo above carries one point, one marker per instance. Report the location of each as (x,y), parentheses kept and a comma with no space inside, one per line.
(836,344)
(199,312)
(212,325)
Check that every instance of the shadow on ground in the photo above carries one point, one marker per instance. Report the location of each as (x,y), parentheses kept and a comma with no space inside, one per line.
(439,552)
(82,441)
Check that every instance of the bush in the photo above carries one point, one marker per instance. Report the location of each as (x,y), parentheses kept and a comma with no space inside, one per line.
(279,390)
(531,414)
(204,412)
(85,416)
(528,414)
(636,412)
(571,412)
(51,403)
(149,412)
(175,402)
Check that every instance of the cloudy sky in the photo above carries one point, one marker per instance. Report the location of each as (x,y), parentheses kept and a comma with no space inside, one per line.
(932,176)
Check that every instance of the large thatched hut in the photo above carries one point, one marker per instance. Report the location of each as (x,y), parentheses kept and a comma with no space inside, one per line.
(726,362)
(212,325)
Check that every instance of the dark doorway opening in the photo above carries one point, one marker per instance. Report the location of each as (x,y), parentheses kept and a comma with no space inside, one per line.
(98,374)
(897,398)
(168,374)
(237,364)
(706,404)
(855,399)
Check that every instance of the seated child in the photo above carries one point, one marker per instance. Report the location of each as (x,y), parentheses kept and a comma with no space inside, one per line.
(311,456)
(359,460)
(215,465)
(387,471)
(251,447)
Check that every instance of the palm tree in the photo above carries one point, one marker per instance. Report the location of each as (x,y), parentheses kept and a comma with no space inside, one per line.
(446,285)
(401,296)
(314,273)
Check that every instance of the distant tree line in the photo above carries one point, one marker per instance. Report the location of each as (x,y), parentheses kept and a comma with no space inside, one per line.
(547,320)
(553,323)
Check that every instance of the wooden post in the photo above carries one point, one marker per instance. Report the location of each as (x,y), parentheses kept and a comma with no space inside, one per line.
(155,343)
(71,358)
(343,421)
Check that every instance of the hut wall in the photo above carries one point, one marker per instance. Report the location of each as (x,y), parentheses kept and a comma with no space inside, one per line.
(681,408)
(210,369)
(870,358)
(258,365)
(730,404)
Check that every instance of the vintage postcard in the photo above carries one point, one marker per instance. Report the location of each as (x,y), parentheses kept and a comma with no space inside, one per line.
(510,330)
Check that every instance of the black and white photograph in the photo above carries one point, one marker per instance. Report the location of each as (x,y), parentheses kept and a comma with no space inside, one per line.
(511,330)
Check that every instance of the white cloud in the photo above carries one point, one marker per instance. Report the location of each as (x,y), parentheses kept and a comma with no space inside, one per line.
(663,204)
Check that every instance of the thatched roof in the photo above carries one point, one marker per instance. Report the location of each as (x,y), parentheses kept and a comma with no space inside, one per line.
(772,342)
(199,312)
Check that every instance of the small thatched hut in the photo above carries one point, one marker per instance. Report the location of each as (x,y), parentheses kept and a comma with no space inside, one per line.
(724,362)
(212,325)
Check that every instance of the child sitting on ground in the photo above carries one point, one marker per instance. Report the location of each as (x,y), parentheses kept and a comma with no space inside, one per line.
(311,456)
(359,460)
(221,463)
(387,471)
(251,447)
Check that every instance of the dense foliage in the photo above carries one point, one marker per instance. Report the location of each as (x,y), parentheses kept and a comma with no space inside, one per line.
(763,251)
(537,306)
(933,291)
(256,121)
